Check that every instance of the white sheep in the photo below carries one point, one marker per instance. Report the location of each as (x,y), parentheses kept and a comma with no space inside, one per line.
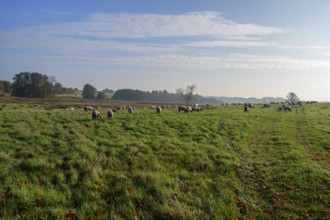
(130,109)
(110,114)
(96,114)
(158,109)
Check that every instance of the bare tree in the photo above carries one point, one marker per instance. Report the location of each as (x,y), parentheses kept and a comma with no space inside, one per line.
(188,93)
(292,98)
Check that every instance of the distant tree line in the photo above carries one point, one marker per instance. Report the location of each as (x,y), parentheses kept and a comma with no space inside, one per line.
(33,85)
(161,96)
(37,85)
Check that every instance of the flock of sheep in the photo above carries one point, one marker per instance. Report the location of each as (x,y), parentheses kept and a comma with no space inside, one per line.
(284,106)
(96,114)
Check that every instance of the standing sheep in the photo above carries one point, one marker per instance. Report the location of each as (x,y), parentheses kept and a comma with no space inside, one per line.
(246,107)
(110,114)
(158,109)
(130,110)
(96,114)
(266,105)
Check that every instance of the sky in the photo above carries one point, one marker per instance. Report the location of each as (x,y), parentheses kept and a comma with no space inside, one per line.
(234,48)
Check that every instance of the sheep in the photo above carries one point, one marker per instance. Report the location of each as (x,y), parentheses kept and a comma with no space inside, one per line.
(110,113)
(158,109)
(88,108)
(184,108)
(196,109)
(96,114)
(187,109)
(287,108)
(266,105)
(246,108)
(130,109)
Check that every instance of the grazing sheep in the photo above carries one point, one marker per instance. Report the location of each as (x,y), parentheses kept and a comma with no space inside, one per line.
(130,109)
(110,114)
(266,105)
(196,109)
(88,108)
(158,109)
(184,108)
(287,108)
(96,114)
(187,109)
(246,108)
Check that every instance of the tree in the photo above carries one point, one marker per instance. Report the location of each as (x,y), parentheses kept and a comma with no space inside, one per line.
(32,85)
(6,86)
(100,95)
(108,91)
(2,92)
(58,88)
(292,98)
(89,92)
(129,95)
(188,94)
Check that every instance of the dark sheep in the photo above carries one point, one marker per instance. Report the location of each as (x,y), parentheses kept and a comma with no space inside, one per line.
(158,109)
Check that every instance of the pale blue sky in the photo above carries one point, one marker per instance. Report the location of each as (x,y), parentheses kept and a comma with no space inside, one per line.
(227,48)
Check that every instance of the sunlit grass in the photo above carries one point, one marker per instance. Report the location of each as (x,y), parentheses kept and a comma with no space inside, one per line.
(221,163)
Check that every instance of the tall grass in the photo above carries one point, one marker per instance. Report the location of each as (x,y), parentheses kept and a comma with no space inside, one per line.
(221,163)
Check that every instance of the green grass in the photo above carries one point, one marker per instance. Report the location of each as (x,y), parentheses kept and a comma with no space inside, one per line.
(221,163)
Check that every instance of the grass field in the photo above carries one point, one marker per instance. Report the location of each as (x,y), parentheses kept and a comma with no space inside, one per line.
(221,163)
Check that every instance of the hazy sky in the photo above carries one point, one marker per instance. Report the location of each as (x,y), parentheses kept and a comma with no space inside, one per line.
(226,47)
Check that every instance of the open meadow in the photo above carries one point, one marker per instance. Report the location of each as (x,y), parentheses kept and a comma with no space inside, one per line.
(220,163)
